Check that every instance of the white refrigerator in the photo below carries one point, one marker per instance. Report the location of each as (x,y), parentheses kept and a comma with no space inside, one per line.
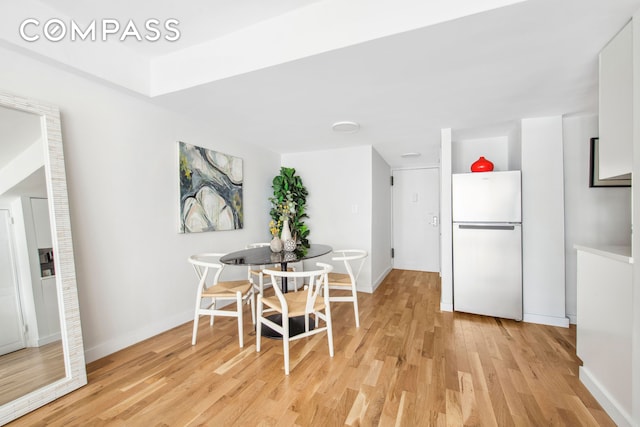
(487,243)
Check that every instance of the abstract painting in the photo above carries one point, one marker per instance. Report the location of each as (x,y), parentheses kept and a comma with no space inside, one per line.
(210,190)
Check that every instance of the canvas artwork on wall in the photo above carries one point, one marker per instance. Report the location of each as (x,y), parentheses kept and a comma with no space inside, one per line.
(210,190)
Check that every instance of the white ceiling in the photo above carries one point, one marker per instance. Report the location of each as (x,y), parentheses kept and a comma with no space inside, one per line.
(200,20)
(18,130)
(476,72)
(34,185)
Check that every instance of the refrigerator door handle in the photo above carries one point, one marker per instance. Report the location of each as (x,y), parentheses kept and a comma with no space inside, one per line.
(485,227)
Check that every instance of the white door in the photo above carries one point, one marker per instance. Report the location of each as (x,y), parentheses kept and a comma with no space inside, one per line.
(416,219)
(11,336)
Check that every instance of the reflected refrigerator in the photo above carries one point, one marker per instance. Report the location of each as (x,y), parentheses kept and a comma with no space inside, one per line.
(487,243)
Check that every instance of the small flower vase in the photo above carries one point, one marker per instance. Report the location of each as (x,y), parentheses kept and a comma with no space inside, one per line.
(276,244)
(286,231)
(288,243)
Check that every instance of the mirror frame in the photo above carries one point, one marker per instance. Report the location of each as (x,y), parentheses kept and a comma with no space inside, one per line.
(70,329)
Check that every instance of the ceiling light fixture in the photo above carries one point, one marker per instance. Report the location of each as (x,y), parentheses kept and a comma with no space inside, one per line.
(345,127)
(412,154)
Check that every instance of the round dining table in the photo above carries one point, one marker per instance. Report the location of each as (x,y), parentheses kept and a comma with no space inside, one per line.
(264,256)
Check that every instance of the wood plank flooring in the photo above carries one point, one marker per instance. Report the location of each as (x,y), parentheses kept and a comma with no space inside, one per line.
(407,365)
(29,369)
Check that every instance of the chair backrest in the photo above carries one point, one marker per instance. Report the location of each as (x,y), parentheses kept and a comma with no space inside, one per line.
(253,268)
(318,283)
(203,263)
(347,255)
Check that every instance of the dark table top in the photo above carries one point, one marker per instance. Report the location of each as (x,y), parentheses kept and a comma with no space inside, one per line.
(263,255)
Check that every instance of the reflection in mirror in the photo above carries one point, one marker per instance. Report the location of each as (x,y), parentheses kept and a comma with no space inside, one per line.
(30,341)
(41,355)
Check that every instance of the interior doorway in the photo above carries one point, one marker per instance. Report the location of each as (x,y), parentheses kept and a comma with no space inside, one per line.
(416,219)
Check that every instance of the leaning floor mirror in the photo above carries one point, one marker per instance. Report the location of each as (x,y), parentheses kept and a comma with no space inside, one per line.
(41,351)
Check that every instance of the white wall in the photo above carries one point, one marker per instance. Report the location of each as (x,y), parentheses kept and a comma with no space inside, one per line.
(494,149)
(515,148)
(340,199)
(122,171)
(381,236)
(593,216)
(446,236)
(543,244)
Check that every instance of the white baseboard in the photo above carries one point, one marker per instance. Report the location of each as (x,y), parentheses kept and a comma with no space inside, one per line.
(49,339)
(563,322)
(125,340)
(446,306)
(378,281)
(621,417)
(573,319)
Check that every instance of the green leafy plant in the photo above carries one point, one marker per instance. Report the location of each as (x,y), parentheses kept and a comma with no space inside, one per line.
(289,201)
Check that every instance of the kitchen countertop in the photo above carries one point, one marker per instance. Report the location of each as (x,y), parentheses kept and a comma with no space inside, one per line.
(618,253)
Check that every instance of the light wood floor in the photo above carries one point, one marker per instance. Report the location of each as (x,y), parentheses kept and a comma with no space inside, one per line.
(29,369)
(407,365)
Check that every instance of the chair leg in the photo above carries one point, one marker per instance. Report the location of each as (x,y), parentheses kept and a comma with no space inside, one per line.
(259,324)
(285,343)
(253,307)
(327,313)
(355,308)
(196,318)
(195,328)
(239,307)
(213,307)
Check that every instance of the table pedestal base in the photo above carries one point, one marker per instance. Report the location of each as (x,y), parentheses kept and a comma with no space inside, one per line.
(296,326)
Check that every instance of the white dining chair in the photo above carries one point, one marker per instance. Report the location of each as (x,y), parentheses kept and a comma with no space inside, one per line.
(208,269)
(257,278)
(313,301)
(343,286)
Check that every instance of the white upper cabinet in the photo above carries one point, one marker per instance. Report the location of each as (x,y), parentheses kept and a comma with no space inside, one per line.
(616,106)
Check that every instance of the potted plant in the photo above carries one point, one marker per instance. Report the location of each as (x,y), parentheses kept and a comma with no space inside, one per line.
(289,202)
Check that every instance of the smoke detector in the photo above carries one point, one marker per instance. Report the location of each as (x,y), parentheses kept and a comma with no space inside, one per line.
(345,127)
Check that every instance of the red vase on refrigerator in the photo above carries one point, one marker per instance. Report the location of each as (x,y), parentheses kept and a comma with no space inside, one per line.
(481,165)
